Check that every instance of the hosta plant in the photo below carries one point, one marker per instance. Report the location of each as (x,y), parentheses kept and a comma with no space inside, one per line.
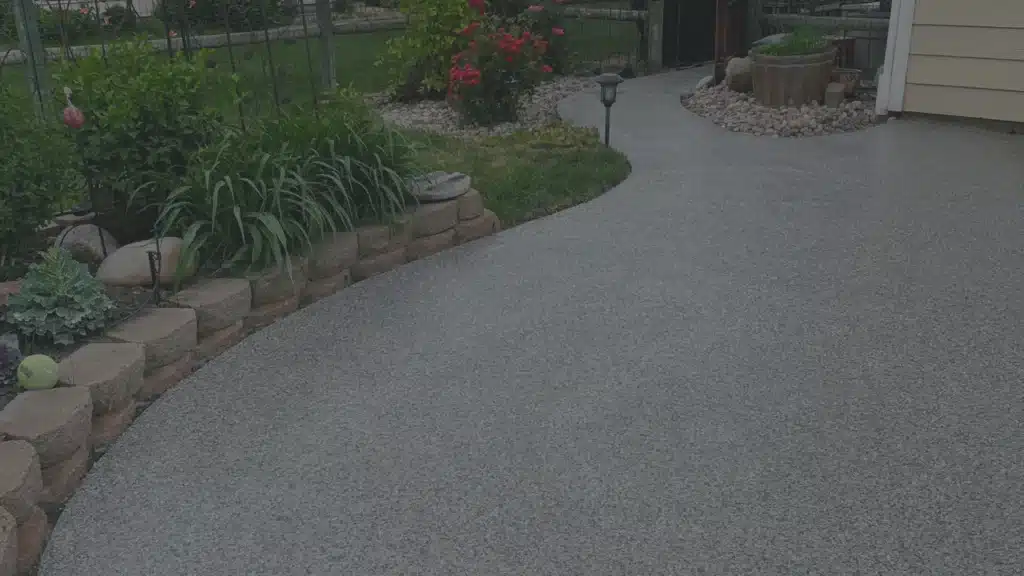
(59,302)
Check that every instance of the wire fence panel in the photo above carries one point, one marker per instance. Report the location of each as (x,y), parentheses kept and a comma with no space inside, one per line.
(607,35)
(271,48)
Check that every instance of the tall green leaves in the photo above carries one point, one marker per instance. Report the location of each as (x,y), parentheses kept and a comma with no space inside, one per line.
(259,197)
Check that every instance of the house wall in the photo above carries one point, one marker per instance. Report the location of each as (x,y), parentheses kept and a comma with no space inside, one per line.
(967,59)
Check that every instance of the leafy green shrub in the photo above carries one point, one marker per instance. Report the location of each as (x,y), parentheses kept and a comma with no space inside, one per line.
(119,17)
(68,25)
(419,59)
(10,357)
(259,197)
(802,41)
(38,171)
(145,116)
(489,79)
(238,15)
(59,302)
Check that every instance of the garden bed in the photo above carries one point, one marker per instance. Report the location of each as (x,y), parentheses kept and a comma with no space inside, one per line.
(437,117)
(740,112)
(48,438)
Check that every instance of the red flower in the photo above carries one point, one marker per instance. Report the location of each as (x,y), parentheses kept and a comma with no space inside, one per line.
(468,30)
(558,31)
(547,69)
(536,8)
(508,58)
(478,5)
(83,11)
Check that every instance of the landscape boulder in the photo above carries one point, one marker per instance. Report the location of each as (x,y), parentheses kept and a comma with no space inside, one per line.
(129,266)
(86,243)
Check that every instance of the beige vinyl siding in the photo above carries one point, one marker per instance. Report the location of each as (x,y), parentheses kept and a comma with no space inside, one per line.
(967,59)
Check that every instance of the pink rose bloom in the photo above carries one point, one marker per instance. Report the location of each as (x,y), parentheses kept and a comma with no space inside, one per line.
(558,31)
(536,8)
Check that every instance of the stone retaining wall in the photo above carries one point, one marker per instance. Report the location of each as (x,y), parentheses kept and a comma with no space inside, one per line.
(49,438)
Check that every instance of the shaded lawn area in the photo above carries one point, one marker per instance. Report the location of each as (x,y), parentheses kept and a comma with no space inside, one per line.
(531,174)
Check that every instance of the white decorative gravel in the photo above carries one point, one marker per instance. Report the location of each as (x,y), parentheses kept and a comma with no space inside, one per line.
(438,117)
(739,112)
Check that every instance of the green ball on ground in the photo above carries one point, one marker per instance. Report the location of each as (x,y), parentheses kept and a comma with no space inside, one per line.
(37,372)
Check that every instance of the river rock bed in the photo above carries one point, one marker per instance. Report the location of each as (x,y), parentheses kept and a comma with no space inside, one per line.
(739,112)
(437,117)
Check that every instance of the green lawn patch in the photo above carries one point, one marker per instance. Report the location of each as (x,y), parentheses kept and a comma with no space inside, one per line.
(530,174)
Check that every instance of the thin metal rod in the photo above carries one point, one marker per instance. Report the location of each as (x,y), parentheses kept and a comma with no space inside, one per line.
(270,59)
(231,59)
(607,123)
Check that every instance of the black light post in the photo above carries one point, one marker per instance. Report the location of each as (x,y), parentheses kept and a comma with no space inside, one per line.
(609,90)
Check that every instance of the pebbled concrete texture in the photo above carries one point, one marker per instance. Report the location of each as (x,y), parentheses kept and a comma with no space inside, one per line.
(753,357)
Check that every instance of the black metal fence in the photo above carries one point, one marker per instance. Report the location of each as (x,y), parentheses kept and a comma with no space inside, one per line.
(271,49)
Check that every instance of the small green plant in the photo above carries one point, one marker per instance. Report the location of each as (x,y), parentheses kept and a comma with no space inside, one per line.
(59,302)
(145,115)
(39,171)
(802,41)
(419,59)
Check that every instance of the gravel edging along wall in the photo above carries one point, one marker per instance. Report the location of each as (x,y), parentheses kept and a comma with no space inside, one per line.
(49,438)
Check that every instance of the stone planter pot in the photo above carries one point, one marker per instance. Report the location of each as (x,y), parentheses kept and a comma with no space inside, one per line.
(791,80)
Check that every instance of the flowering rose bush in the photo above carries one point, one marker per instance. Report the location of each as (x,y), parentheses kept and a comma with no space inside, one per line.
(547,19)
(488,80)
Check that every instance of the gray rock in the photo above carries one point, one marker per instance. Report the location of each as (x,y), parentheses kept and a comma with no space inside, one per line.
(440,186)
(84,244)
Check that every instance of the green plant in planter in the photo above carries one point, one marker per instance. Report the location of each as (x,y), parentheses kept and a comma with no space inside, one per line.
(801,42)
(145,115)
(59,302)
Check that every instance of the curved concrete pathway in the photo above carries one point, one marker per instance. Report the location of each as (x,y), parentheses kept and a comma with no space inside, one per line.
(753,357)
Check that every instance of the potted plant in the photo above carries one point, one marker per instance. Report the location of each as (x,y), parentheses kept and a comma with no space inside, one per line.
(794,71)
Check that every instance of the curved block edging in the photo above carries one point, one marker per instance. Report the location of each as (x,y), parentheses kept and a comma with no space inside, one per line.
(49,438)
